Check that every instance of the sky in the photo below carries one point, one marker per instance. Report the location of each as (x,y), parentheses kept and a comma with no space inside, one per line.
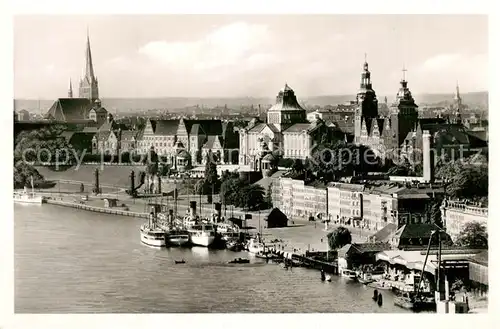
(239,56)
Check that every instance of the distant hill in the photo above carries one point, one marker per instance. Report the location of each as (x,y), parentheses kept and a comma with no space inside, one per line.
(123,105)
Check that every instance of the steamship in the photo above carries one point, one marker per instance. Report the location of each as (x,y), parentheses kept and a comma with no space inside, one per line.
(201,232)
(151,233)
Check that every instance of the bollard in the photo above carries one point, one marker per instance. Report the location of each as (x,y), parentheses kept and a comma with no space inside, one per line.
(375,295)
(379,300)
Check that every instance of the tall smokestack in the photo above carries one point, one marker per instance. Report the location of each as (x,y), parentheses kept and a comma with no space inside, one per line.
(428,163)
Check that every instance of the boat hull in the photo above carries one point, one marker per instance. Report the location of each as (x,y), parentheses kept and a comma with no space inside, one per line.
(152,241)
(178,240)
(35,200)
(203,241)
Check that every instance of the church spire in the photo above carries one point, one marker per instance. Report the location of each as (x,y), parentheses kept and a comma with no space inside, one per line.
(458,105)
(70,90)
(89,67)
(88,85)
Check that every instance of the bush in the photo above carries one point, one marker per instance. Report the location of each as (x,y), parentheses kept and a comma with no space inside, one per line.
(285,162)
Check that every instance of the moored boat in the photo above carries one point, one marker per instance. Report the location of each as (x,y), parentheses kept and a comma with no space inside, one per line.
(255,247)
(28,197)
(348,274)
(152,235)
(177,237)
(239,261)
(202,234)
(234,245)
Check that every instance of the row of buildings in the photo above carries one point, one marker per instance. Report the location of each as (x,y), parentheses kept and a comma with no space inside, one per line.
(180,141)
(372,205)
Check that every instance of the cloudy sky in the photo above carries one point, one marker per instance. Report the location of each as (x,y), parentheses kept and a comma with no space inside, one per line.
(234,56)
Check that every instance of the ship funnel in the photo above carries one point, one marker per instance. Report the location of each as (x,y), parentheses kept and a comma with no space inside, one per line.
(192,209)
(217,210)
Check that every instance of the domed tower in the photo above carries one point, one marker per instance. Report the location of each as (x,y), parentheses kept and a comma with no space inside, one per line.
(403,116)
(287,110)
(367,103)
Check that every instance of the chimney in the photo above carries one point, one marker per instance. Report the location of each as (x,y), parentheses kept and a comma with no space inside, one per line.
(428,163)
(192,209)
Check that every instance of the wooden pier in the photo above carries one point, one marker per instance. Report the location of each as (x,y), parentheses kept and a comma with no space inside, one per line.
(111,211)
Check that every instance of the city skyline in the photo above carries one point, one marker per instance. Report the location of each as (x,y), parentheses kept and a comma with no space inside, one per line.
(259,54)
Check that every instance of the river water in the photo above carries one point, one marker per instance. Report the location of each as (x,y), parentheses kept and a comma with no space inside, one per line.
(71,261)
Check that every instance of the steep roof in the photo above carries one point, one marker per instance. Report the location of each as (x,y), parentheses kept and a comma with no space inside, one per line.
(414,231)
(69,109)
(384,233)
(127,135)
(165,127)
(209,127)
(298,127)
(361,248)
(480,258)
(103,136)
(286,101)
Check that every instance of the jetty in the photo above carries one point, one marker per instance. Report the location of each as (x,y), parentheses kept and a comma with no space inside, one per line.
(111,211)
(306,260)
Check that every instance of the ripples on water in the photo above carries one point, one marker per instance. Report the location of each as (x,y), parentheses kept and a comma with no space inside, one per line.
(69,261)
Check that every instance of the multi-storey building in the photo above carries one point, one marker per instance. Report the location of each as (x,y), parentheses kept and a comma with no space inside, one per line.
(456,214)
(196,137)
(297,199)
(345,201)
(286,131)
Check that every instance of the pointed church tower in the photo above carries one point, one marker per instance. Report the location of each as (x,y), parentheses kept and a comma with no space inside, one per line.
(458,106)
(70,90)
(89,85)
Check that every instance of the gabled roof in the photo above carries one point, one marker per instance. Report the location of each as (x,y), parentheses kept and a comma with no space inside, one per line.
(103,136)
(165,127)
(209,127)
(68,109)
(209,144)
(258,127)
(414,231)
(127,135)
(384,233)
(480,258)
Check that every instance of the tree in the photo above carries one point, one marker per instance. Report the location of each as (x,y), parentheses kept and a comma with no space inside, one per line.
(473,235)
(269,196)
(252,197)
(434,211)
(230,191)
(467,179)
(339,238)
(46,145)
(23,173)
(211,177)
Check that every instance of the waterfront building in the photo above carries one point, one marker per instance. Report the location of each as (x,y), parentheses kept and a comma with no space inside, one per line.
(285,132)
(196,137)
(77,110)
(345,201)
(456,214)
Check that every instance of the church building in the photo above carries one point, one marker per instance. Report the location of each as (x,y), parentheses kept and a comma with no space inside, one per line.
(87,107)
